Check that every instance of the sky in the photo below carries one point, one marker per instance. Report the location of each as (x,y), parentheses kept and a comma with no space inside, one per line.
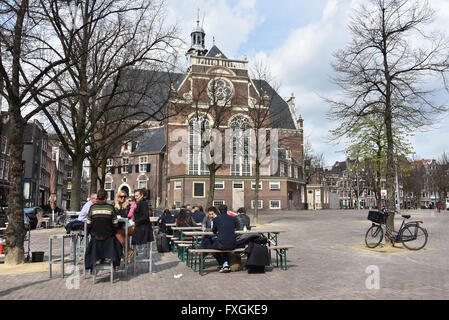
(297,39)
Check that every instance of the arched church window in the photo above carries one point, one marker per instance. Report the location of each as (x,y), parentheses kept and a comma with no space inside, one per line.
(240,165)
(199,127)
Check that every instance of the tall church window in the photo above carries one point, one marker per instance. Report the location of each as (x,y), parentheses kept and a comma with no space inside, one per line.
(241,165)
(199,127)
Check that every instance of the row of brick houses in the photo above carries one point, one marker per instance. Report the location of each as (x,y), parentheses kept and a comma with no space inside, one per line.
(47,167)
(175,175)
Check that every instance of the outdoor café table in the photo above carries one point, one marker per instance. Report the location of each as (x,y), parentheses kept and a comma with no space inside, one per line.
(181,232)
(272,235)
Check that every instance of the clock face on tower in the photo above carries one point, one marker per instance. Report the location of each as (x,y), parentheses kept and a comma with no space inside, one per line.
(220,90)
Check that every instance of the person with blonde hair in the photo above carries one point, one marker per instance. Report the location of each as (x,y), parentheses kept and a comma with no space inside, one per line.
(121,208)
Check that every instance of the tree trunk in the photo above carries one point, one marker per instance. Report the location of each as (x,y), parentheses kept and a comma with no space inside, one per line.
(210,196)
(15,232)
(93,178)
(256,192)
(75,201)
(390,174)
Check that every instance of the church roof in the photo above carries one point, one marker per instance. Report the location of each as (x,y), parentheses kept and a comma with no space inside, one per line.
(214,52)
(156,95)
(280,114)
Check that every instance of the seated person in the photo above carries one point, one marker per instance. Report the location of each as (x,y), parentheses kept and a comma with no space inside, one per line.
(167,217)
(224,228)
(184,219)
(207,225)
(242,219)
(102,224)
(78,224)
(197,215)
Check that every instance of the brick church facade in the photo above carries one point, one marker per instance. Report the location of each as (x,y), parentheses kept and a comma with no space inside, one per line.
(166,155)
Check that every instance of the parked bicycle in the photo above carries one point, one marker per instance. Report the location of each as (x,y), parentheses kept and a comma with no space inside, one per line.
(411,234)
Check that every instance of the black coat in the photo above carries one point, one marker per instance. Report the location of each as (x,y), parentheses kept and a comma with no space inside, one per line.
(143,231)
(103,249)
(257,255)
(224,227)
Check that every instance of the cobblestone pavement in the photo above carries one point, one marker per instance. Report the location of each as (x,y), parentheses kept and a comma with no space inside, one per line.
(324,265)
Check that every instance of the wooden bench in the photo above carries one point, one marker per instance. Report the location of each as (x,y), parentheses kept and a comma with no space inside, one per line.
(201,252)
(281,252)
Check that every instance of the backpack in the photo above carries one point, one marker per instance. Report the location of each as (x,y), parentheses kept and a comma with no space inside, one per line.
(162,243)
(258,257)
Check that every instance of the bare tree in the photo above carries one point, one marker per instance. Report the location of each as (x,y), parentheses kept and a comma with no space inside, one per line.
(102,42)
(28,65)
(380,67)
(440,177)
(260,113)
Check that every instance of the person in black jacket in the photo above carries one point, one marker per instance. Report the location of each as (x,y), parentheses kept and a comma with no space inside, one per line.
(242,219)
(197,214)
(166,217)
(224,227)
(143,231)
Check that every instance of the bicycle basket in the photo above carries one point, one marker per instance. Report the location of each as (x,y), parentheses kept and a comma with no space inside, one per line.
(376,216)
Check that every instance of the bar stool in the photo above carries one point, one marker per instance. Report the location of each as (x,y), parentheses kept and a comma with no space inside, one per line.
(146,251)
(62,259)
(103,266)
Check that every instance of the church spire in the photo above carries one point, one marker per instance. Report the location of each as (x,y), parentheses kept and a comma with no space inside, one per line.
(197,36)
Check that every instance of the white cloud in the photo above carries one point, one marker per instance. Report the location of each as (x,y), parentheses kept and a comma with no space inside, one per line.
(230,24)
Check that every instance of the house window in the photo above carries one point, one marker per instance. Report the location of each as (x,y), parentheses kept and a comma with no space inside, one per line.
(109,162)
(178,185)
(217,203)
(219,185)
(198,189)
(275,185)
(296,172)
(7,170)
(143,184)
(275,204)
(281,170)
(2,167)
(253,202)
(125,167)
(238,185)
(143,161)
(290,171)
(253,185)
(177,204)
(199,127)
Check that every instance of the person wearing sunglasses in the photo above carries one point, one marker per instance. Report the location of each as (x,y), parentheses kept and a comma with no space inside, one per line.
(121,206)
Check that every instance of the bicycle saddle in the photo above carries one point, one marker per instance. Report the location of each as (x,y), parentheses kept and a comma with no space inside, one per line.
(406,216)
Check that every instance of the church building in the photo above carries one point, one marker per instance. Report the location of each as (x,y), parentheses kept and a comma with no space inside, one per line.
(217,95)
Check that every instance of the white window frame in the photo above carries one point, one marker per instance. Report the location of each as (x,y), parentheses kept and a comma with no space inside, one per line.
(253,202)
(109,162)
(143,162)
(296,172)
(141,186)
(204,189)
(277,208)
(253,185)
(281,169)
(2,167)
(242,182)
(219,182)
(214,203)
(6,173)
(278,183)
(125,165)
(177,184)
(106,187)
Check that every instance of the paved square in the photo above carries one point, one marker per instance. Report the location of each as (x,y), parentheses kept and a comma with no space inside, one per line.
(326,264)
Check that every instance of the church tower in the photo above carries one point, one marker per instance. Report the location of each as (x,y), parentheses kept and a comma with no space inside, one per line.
(197,36)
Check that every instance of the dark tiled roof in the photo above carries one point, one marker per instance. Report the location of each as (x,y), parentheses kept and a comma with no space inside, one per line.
(280,114)
(214,52)
(145,92)
(148,140)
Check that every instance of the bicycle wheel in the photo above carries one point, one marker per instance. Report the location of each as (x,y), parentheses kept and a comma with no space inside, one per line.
(374,236)
(413,237)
